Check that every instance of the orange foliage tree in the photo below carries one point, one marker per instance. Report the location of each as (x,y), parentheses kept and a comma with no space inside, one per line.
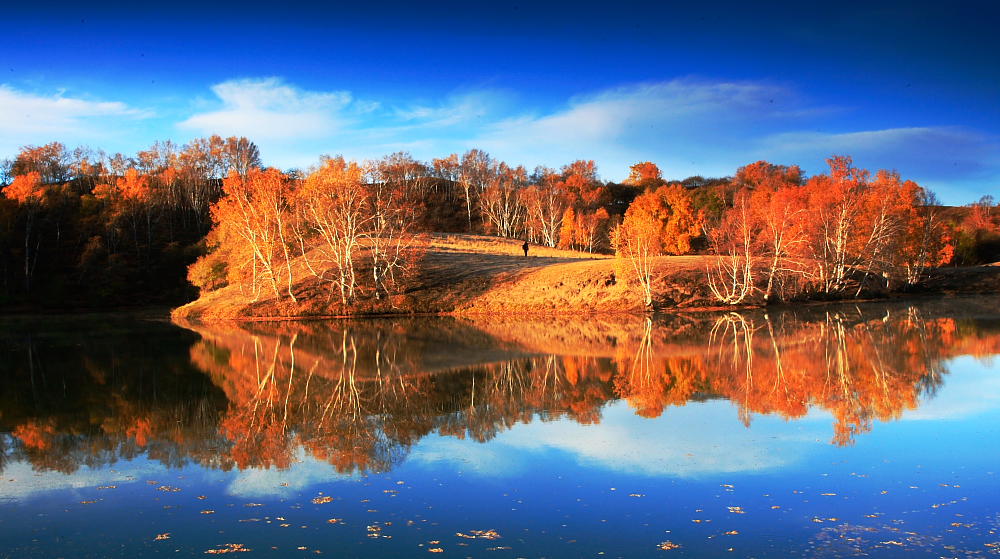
(333,203)
(836,231)
(661,221)
(254,221)
(28,190)
(645,174)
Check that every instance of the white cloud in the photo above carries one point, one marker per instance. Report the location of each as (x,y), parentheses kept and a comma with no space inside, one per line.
(972,388)
(925,153)
(469,107)
(29,118)
(21,481)
(688,126)
(678,123)
(304,472)
(698,439)
(268,109)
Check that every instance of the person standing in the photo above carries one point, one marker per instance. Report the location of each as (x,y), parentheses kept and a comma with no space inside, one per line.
(524,247)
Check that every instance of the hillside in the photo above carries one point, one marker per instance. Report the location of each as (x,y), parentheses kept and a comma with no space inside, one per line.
(469,274)
(489,276)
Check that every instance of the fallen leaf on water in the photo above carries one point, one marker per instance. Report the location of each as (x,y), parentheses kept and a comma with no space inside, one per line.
(435,550)
(667,545)
(229,548)
(209,511)
(480,534)
(322,500)
(163,536)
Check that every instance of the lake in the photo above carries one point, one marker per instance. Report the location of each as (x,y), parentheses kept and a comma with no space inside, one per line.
(822,431)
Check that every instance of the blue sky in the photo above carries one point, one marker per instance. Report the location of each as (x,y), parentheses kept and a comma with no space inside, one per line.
(699,88)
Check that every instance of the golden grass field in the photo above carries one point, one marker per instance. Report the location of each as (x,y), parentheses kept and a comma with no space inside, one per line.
(472,274)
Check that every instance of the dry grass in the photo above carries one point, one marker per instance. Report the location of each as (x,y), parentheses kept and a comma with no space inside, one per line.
(469,274)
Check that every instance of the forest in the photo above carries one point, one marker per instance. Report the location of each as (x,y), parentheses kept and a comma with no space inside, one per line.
(84,229)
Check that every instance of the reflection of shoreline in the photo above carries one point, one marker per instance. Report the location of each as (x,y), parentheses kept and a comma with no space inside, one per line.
(360,394)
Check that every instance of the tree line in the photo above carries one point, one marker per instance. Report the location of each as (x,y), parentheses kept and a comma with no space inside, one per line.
(82,227)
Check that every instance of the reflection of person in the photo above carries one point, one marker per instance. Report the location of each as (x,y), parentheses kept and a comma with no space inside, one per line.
(524,247)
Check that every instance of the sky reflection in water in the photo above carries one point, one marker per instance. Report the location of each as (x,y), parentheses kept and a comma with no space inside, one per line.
(834,432)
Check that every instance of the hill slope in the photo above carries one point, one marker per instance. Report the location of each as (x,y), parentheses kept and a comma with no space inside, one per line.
(469,274)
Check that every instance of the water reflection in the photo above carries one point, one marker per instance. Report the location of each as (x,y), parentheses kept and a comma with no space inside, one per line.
(359,395)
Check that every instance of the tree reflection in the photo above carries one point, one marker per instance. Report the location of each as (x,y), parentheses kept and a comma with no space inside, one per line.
(90,393)
(360,394)
(363,401)
(859,368)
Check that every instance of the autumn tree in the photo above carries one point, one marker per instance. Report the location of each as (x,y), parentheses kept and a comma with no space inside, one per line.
(591,229)
(731,279)
(645,174)
(50,161)
(334,202)
(394,216)
(767,221)
(661,221)
(545,202)
(842,229)
(567,233)
(27,190)
(254,215)
(501,203)
(475,171)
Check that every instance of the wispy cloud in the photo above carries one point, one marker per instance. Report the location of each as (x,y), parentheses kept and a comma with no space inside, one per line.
(688,126)
(673,122)
(27,118)
(625,442)
(932,153)
(22,481)
(269,109)
(304,472)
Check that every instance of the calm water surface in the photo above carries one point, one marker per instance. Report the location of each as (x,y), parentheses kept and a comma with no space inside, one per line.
(867,430)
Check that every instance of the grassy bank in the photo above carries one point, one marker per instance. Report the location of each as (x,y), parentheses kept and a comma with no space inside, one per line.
(478,275)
